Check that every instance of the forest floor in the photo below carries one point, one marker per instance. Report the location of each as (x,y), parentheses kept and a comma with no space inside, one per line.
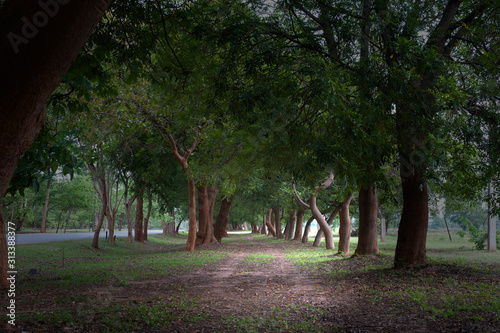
(249,283)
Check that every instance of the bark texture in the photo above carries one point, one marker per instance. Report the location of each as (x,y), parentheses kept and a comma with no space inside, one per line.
(368,228)
(412,233)
(298,227)
(222,218)
(139,217)
(344,231)
(206,197)
(191,241)
(277,222)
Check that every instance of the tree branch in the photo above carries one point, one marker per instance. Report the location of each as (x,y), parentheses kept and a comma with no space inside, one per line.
(299,200)
(438,36)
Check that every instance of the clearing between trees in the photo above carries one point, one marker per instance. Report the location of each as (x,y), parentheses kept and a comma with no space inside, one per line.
(249,283)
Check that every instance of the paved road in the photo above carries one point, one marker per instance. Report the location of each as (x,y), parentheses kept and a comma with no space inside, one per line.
(52,237)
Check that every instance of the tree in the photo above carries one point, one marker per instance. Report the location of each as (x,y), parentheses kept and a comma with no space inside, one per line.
(34,59)
(325,228)
(368,216)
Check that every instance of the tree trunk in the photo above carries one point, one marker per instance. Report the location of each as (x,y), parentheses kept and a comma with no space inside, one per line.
(104,206)
(285,232)
(327,231)
(269,224)
(128,211)
(222,218)
(148,214)
(45,207)
(263,229)
(191,241)
(212,196)
(165,226)
(383,229)
(305,237)
(492,225)
(67,219)
(277,222)
(178,226)
(318,238)
(32,63)
(139,217)
(412,233)
(290,226)
(298,227)
(344,231)
(111,213)
(368,217)
(205,234)
(59,222)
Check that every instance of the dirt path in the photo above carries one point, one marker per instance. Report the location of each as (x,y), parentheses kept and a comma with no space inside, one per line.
(256,288)
(244,285)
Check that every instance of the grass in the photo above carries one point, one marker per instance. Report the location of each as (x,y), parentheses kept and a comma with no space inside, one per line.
(259,258)
(459,285)
(76,265)
(276,319)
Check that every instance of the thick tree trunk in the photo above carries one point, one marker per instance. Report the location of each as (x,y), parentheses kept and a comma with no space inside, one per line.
(318,238)
(148,214)
(222,218)
(165,226)
(298,227)
(205,233)
(344,231)
(269,223)
(287,228)
(46,207)
(290,227)
(191,241)
(412,234)
(368,214)
(212,196)
(33,61)
(277,222)
(305,237)
(139,217)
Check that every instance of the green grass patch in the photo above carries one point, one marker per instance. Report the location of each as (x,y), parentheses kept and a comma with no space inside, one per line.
(276,319)
(259,258)
(76,264)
